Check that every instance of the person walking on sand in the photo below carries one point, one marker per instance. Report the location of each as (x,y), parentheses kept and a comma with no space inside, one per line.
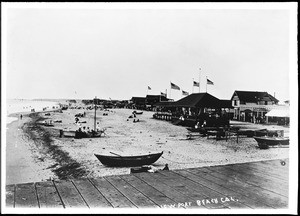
(21,116)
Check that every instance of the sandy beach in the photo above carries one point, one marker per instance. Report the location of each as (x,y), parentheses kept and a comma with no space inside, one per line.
(37,153)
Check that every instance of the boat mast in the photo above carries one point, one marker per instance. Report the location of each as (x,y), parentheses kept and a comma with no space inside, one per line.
(95,114)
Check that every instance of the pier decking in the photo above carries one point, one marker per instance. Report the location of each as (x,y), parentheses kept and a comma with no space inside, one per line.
(255,185)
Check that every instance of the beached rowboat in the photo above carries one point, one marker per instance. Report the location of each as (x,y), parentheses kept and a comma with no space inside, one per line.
(266,142)
(128,161)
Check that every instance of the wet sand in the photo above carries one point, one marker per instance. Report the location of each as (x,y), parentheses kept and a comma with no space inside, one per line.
(44,160)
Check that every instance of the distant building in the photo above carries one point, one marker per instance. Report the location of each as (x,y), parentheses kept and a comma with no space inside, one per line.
(154,99)
(252,105)
(287,102)
(138,103)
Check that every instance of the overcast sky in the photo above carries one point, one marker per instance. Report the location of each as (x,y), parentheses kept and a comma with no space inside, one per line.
(118,53)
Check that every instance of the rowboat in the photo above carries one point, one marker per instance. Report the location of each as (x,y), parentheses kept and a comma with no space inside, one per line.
(137,113)
(266,142)
(68,133)
(128,161)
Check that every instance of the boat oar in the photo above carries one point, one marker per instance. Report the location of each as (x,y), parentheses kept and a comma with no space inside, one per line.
(115,154)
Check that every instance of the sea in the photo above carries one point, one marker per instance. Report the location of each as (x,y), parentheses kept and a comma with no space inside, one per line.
(25,105)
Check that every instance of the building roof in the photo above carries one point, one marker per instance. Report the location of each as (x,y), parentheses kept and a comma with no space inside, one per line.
(226,104)
(199,100)
(279,113)
(156,97)
(165,104)
(252,96)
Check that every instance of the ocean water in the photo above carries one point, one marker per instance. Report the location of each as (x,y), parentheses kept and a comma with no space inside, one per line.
(20,106)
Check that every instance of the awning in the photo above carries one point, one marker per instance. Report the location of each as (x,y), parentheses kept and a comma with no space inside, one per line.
(279,113)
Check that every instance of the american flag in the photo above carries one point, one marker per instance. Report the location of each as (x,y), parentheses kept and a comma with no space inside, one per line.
(173,86)
(209,82)
(195,83)
(185,93)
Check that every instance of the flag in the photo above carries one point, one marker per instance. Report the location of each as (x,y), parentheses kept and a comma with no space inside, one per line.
(185,93)
(196,84)
(163,94)
(209,82)
(149,88)
(173,86)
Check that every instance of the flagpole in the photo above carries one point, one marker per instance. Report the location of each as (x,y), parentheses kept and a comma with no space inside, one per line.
(193,86)
(199,78)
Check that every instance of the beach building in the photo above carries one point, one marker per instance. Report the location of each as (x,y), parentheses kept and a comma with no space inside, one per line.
(252,106)
(198,107)
(151,100)
(137,103)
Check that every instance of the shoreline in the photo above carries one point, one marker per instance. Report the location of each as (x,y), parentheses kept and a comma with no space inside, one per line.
(126,138)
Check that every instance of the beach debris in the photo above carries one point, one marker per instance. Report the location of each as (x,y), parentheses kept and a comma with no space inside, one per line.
(166,167)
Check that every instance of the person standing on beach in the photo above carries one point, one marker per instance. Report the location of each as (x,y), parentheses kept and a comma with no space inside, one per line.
(21,116)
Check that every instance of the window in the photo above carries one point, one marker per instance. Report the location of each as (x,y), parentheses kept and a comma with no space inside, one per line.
(235,102)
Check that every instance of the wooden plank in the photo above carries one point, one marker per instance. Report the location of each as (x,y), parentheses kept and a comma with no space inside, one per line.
(10,196)
(192,187)
(192,193)
(255,179)
(25,196)
(273,175)
(156,196)
(277,200)
(279,174)
(47,195)
(90,194)
(111,194)
(156,182)
(259,174)
(69,194)
(280,166)
(282,162)
(225,191)
(241,188)
(135,196)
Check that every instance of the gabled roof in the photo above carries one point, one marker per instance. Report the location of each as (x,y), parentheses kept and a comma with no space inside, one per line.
(252,96)
(199,100)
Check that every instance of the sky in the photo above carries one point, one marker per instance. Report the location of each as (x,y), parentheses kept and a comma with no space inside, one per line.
(83,52)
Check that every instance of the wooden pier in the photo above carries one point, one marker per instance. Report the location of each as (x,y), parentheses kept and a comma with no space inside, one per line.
(255,185)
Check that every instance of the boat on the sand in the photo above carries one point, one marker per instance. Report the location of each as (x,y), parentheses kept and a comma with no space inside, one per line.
(128,161)
(266,142)
(137,113)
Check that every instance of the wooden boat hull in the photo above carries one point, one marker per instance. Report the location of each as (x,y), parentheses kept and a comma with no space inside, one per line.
(265,142)
(69,133)
(128,161)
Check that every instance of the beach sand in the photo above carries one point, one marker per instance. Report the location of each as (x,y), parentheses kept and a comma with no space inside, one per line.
(52,157)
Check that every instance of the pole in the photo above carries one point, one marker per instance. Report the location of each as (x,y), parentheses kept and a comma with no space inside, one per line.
(170,90)
(193,86)
(199,78)
(95,114)
(206,84)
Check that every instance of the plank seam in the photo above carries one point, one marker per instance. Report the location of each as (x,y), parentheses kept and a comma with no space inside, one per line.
(225,205)
(14,205)
(231,189)
(37,196)
(142,192)
(211,188)
(120,192)
(79,193)
(184,195)
(58,194)
(99,191)
(253,184)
